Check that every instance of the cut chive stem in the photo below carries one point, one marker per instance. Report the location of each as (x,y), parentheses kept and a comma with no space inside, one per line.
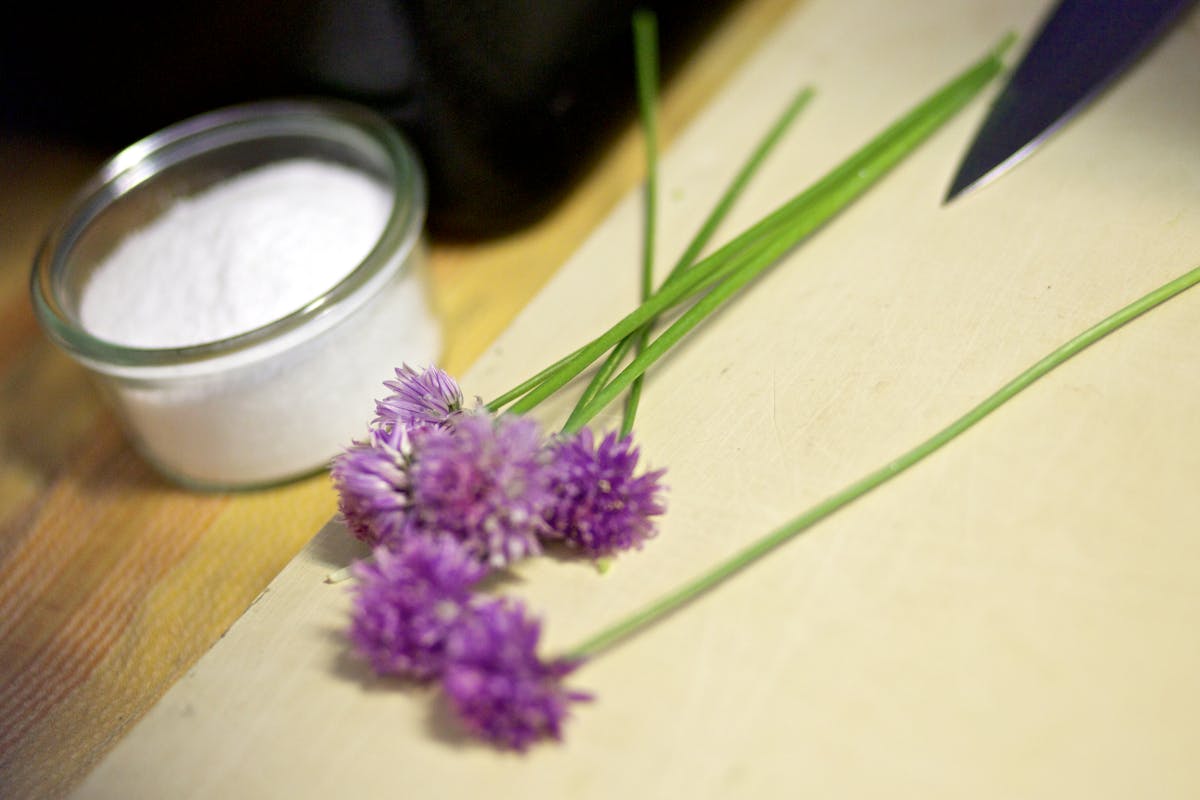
(764,256)
(688,284)
(789,530)
(530,383)
(700,241)
(645,37)
(742,179)
(813,208)
(846,180)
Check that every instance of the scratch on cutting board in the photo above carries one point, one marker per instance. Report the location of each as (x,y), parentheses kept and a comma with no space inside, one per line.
(832,400)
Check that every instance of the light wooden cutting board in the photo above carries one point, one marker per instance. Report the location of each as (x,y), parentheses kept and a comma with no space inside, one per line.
(1015,617)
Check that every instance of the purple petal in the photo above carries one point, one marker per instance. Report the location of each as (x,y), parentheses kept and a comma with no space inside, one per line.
(600,506)
(419,399)
(407,603)
(496,683)
(485,481)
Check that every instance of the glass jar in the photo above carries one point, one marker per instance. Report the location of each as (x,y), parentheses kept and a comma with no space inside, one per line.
(279,401)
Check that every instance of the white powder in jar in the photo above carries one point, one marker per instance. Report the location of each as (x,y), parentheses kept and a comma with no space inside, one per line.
(237,256)
(230,259)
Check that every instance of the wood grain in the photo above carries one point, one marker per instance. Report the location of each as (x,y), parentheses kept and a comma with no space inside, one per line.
(112,582)
(1015,617)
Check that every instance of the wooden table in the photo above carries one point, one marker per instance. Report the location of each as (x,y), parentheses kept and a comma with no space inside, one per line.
(113,582)
(1015,616)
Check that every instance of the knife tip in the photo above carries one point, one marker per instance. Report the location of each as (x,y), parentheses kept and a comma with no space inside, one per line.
(959,185)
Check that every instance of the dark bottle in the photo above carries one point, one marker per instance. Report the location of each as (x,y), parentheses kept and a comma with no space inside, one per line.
(508,101)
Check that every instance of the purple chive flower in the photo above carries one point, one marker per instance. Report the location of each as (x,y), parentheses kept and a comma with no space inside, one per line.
(418,400)
(371,481)
(600,506)
(407,603)
(485,482)
(497,684)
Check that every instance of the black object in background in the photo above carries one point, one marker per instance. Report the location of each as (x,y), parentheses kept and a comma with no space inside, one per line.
(508,101)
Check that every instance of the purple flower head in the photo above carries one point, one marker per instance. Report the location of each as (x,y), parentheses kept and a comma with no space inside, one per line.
(600,506)
(485,481)
(418,400)
(497,684)
(371,481)
(408,601)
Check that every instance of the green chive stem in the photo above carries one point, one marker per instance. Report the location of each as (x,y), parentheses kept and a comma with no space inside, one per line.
(702,238)
(828,197)
(847,180)
(748,555)
(530,383)
(742,179)
(645,37)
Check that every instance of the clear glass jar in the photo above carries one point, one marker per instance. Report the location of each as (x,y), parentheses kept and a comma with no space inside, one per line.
(279,401)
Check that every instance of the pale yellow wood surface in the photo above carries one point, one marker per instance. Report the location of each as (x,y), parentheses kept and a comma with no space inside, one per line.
(1015,617)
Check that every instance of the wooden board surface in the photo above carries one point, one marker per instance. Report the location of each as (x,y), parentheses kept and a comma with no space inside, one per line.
(1013,618)
(112,581)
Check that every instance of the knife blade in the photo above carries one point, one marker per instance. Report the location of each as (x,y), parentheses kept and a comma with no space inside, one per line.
(1081,48)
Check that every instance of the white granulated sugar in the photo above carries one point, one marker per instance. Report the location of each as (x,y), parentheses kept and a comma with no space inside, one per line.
(236,256)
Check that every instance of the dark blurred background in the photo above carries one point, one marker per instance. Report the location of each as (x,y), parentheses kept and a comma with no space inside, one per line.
(508,101)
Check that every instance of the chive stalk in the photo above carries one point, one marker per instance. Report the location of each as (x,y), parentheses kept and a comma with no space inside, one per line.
(781,229)
(703,236)
(797,525)
(645,41)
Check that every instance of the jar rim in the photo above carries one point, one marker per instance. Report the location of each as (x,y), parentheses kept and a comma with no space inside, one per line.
(205,133)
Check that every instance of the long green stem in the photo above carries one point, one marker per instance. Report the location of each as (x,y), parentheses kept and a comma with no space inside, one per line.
(823,205)
(742,179)
(645,37)
(703,276)
(707,229)
(530,383)
(690,283)
(847,180)
(762,258)
(825,508)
